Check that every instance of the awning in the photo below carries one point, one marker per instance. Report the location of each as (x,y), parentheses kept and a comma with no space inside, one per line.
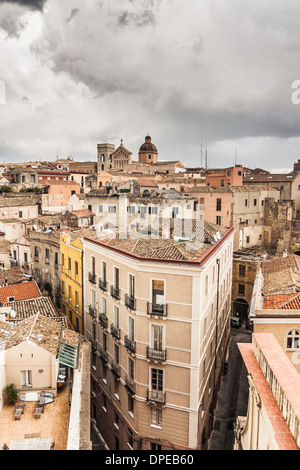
(68,355)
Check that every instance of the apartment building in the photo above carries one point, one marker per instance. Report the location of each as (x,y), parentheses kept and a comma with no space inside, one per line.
(232,176)
(157,314)
(273,417)
(45,262)
(71,251)
(275,303)
(240,207)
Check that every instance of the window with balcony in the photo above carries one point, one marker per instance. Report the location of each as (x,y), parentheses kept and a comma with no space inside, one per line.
(103,281)
(156,351)
(156,393)
(158,305)
(115,289)
(130,297)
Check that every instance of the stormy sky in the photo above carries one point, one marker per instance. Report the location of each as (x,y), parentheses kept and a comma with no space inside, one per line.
(74,74)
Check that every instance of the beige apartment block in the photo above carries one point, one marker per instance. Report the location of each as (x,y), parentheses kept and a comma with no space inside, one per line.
(157,312)
(273,416)
(275,304)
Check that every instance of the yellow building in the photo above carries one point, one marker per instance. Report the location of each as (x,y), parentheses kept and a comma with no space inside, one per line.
(71,278)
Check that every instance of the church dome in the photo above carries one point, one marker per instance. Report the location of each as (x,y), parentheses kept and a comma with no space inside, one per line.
(147,146)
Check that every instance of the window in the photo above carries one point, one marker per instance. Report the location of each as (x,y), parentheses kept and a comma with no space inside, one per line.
(131,329)
(116,317)
(117,354)
(76,268)
(63,287)
(218,220)
(247,239)
(242,270)
(158,292)
(246,202)
(219,204)
(156,417)
(47,254)
(157,337)
(131,369)
(206,284)
(26,378)
(293,338)
(76,298)
(20,213)
(69,264)
(222,182)
(111,209)
(103,271)
(93,264)
(36,251)
(241,289)
(157,379)
(130,405)
(117,278)
(131,286)
(255,202)
(100,209)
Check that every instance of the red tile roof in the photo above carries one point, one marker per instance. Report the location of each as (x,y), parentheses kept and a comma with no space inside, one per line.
(20,291)
(282,433)
(275,301)
(292,303)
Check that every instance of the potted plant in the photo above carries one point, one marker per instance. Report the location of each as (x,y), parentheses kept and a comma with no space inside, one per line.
(12,393)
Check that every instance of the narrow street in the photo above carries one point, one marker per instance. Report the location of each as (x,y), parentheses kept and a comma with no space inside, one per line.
(233,395)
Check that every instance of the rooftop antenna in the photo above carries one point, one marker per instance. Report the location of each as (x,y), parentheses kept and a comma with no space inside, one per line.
(201,152)
(206,156)
(235,158)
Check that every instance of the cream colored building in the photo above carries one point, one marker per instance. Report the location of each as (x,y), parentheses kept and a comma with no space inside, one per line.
(273,416)
(154,308)
(275,304)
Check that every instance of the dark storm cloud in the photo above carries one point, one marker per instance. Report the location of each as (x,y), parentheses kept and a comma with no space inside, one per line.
(32,4)
(140,19)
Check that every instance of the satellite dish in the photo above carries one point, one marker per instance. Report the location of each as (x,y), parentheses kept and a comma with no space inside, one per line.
(13,314)
(34,227)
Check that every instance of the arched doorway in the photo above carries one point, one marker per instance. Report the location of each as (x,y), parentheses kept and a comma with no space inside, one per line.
(240,309)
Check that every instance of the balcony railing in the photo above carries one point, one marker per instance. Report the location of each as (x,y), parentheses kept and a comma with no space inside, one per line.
(92,310)
(156,396)
(116,368)
(92,278)
(103,284)
(103,320)
(103,355)
(130,302)
(157,354)
(130,384)
(116,332)
(157,309)
(129,344)
(115,292)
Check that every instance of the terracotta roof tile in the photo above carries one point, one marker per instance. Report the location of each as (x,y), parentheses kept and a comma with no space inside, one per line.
(20,291)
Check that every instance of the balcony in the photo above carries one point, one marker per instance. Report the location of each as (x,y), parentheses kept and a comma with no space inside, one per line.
(92,278)
(156,396)
(116,369)
(130,302)
(129,344)
(157,309)
(103,320)
(130,385)
(103,284)
(103,355)
(115,292)
(92,310)
(116,332)
(156,354)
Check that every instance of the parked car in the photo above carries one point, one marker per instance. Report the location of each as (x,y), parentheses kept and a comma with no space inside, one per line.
(235,322)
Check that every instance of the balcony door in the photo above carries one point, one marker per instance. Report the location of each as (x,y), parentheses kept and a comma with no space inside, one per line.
(157,337)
